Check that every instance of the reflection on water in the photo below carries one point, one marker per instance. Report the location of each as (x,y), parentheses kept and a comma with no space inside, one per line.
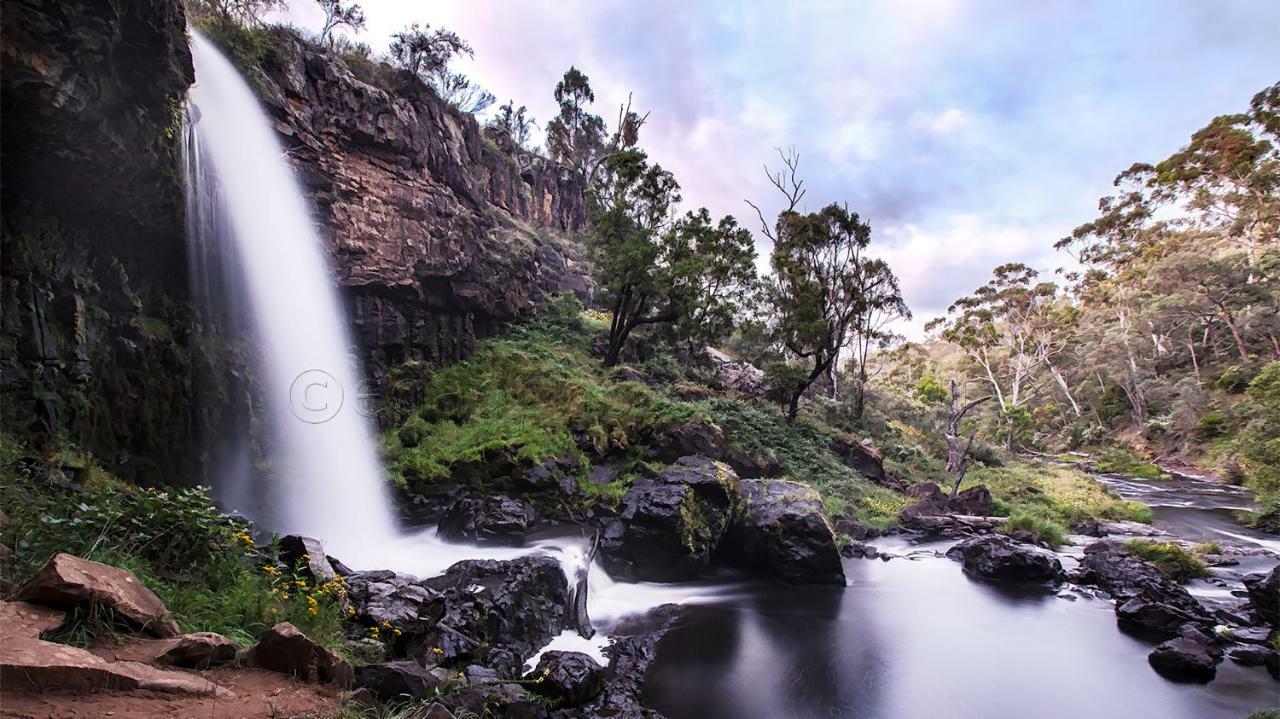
(918,638)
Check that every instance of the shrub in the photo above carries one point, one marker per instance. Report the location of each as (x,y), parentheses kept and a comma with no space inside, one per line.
(1045,529)
(930,390)
(1176,562)
(1113,460)
(1211,424)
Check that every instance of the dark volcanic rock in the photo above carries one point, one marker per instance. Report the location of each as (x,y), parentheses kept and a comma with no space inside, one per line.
(861,458)
(1191,657)
(495,613)
(975,501)
(1264,594)
(570,678)
(397,681)
(308,553)
(1251,655)
(670,525)
(999,557)
(930,500)
(1108,566)
(779,527)
(487,520)
(388,599)
(688,439)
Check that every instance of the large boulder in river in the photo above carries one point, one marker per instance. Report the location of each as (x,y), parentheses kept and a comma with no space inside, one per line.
(929,499)
(670,525)
(386,599)
(1264,594)
(1125,577)
(779,527)
(487,520)
(999,557)
(69,582)
(567,678)
(1190,657)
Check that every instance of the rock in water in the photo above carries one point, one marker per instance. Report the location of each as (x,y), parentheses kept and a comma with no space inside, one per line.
(1190,657)
(285,649)
(487,520)
(569,678)
(397,681)
(1264,594)
(670,525)
(1163,603)
(999,557)
(930,501)
(69,582)
(779,527)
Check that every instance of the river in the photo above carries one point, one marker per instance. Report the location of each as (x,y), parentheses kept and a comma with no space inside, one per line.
(916,637)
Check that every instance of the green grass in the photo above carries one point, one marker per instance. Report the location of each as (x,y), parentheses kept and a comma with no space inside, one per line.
(1114,460)
(1207,548)
(1044,528)
(803,451)
(1176,562)
(533,394)
(1062,495)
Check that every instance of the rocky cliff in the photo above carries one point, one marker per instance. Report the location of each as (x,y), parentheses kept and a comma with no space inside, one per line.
(95,325)
(438,232)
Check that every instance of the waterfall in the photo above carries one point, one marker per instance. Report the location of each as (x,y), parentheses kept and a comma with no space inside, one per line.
(255,251)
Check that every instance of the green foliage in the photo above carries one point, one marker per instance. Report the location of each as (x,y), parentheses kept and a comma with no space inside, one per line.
(1060,494)
(1038,523)
(929,389)
(247,45)
(1212,424)
(1175,561)
(525,397)
(1207,548)
(803,451)
(1235,378)
(1114,460)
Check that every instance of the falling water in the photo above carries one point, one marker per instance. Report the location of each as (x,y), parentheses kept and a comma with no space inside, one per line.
(245,207)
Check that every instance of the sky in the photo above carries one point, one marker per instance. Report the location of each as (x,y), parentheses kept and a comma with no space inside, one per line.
(969,133)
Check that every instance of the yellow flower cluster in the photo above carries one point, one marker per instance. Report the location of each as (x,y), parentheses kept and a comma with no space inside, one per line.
(244,539)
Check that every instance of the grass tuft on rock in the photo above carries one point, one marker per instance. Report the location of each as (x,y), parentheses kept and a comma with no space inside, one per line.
(1172,558)
(1045,529)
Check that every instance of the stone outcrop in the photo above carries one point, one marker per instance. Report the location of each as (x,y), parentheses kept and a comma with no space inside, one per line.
(1147,601)
(308,555)
(567,678)
(779,528)
(999,557)
(437,232)
(861,458)
(1190,657)
(69,582)
(1264,595)
(393,682)
(285,649)
(487,520)
(670,525)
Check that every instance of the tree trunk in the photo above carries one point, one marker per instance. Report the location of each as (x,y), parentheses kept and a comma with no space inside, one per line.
(957,451)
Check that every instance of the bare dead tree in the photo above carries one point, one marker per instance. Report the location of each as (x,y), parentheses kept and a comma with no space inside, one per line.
(787,180)
(958,451)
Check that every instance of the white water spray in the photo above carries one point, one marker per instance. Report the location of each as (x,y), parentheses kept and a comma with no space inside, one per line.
(325,479)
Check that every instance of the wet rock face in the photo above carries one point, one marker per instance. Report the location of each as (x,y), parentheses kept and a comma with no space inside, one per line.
(487,520)
(670,525)
(779,528)
(1193,656)
(974,501)
(999,557)
(570,678)
(393,682)
(1264,594)
(863,459)
(438,235)
(1146,600)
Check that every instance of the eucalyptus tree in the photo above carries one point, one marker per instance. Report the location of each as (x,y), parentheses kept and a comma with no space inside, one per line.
(425,54)
(340,13)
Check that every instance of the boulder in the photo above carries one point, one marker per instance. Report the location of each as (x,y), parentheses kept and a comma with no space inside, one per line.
(974,501)
(779,528)
(1264,594)
(1249,635)
(308,554)
(685,440)
(929,501)
(753,465)
(568,678)
(861,458)
(487,520)
(1251,655)
(22,619)
(999,557)
(1189,657)
(496,613)
(735,376)
(1109,567)
(670,525)
(1152,618)
(393,682)
(285,649)
(860,550)
(37,664)
(69,582)
(198,650)
(384,598)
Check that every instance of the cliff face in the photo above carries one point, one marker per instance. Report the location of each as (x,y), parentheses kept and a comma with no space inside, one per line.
(94,330)
(438,233)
